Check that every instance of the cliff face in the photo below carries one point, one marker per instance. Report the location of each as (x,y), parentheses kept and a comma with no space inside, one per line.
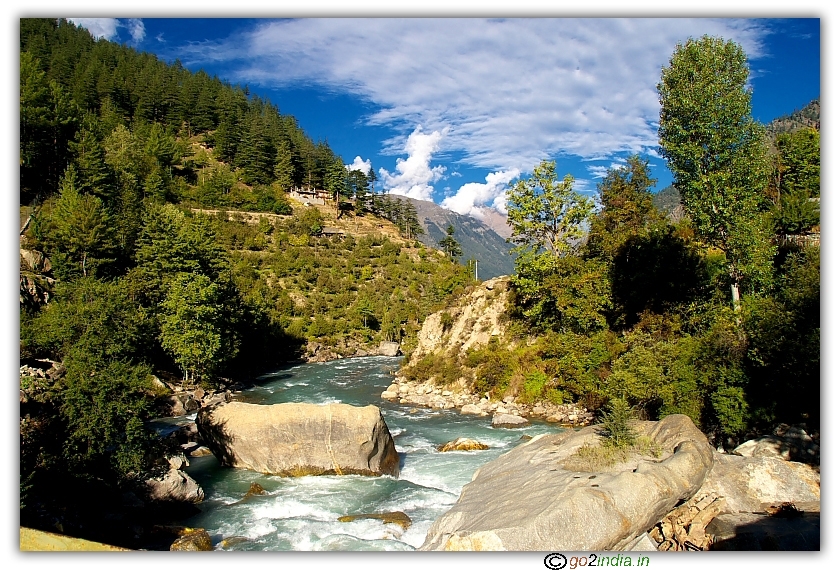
(474,321)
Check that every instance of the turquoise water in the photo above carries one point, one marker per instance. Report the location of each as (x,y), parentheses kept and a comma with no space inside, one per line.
(301,513)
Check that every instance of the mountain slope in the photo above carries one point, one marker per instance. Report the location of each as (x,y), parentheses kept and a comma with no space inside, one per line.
(477,239)
(807,116)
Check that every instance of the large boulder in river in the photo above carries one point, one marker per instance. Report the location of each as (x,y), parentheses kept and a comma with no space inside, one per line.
(293,439)
(526,499)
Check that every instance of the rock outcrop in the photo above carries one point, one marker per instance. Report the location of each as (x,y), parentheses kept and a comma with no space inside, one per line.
(300,439)
(526,500)
(474,321)
(752,484)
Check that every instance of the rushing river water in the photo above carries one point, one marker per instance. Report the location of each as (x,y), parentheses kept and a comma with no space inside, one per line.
(302,513)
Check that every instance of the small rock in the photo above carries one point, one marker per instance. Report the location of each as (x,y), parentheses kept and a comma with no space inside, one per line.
(200,451)
(232,541)
(175,486)
(197,540)
(509,421)
(255,489)
(462,444)
(396,517)
(471,409)
(178,461)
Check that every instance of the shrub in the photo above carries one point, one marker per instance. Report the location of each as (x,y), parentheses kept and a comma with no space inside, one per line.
(615,424)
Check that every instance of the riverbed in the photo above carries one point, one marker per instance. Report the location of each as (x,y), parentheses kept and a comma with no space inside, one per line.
(302,513)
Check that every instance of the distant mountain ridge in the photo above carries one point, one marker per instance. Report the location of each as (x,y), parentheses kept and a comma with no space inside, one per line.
(477,239)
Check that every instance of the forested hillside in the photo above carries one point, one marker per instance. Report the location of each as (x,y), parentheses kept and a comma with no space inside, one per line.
(159,239)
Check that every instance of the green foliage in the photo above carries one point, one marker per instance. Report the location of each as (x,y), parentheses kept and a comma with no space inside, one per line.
(657,271)
(104,405)
(626,207)
(81,227)
(783,355)
(88,319)
(533,387)
(799,165)
(562,294)
(796,213)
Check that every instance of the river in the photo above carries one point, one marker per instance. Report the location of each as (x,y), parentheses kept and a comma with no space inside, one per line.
(302,513)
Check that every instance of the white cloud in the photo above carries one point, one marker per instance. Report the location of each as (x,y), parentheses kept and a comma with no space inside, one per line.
(98,27)
(136,29)
(359,164)
(414,175)
(471,198)
(510,91)
(599,171)
(107,27)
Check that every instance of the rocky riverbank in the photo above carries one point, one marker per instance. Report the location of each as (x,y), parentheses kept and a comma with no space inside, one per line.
(429,395)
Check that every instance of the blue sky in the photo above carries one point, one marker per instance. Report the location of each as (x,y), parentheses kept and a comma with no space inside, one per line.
(454,109)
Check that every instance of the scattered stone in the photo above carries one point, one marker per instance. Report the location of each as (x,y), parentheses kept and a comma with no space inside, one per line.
(789,443)
(472,409)
(200,451)
(756,531)
(750,484)
(178,461)
(462,444)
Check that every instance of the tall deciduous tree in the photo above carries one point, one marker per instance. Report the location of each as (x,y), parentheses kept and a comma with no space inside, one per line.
(191,323)
(714,150)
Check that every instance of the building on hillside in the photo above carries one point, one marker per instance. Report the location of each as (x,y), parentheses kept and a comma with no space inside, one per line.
(310,196)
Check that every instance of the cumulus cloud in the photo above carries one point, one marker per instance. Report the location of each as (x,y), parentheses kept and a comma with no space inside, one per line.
(107,27)
(359,164)
(472,198)
(414,175)
(510,91)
